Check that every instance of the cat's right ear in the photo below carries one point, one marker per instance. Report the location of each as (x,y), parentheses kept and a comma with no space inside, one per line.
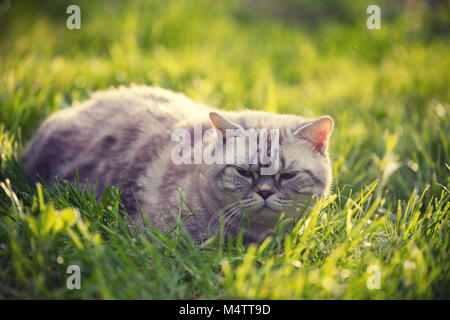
(222,124)
(317,132)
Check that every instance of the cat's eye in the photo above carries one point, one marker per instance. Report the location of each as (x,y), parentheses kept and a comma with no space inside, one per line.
(244,173)
(287,176)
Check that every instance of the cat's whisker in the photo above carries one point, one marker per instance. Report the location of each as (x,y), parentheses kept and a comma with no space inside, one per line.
(243,202)
(225,211)
(289,204)
(282,203)
(226,217)
(215,221)
(231,218)
(300,204)
(285,201)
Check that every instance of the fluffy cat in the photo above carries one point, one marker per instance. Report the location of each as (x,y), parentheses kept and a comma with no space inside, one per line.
(123,137)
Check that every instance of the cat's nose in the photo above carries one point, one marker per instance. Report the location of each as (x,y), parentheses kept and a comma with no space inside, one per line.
(265,189)
(265,194)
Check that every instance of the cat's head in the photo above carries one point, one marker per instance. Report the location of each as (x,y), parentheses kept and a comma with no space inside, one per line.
(302,170)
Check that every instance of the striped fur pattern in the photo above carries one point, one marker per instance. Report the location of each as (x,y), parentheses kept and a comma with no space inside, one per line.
(123,137)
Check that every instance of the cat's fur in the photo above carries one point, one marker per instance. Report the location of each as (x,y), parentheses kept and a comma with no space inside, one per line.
(123,137)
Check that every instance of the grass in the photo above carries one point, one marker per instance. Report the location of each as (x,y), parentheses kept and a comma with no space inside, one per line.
(386,89)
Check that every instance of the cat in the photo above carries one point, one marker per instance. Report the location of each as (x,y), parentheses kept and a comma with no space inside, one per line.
(123,137)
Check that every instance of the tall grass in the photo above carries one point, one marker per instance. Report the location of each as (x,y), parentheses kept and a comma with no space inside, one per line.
(386,89)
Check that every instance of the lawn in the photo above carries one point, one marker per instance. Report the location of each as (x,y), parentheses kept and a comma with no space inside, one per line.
(382,234)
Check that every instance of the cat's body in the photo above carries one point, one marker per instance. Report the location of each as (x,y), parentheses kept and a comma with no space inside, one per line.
(123,137)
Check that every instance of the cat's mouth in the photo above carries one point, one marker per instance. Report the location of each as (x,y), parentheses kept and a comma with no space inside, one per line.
(273,204)
(268,206)
(266,216)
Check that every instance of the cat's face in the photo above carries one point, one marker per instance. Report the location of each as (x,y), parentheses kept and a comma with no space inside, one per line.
(303,172)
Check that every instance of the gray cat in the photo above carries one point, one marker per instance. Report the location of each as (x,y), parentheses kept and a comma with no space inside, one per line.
(124,137)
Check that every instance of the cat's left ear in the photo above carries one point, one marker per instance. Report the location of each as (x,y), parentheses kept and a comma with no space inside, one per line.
(221,123)
(317,132)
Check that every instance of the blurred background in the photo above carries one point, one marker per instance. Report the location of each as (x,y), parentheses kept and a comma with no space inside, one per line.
(387,89)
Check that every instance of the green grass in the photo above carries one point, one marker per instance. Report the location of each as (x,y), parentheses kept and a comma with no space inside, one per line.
(386,89)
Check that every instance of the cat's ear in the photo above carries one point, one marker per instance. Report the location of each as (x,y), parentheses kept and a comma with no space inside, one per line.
(317,132)
(221,123)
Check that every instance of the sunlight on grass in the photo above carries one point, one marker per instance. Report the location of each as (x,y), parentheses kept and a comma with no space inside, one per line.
(387,91)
